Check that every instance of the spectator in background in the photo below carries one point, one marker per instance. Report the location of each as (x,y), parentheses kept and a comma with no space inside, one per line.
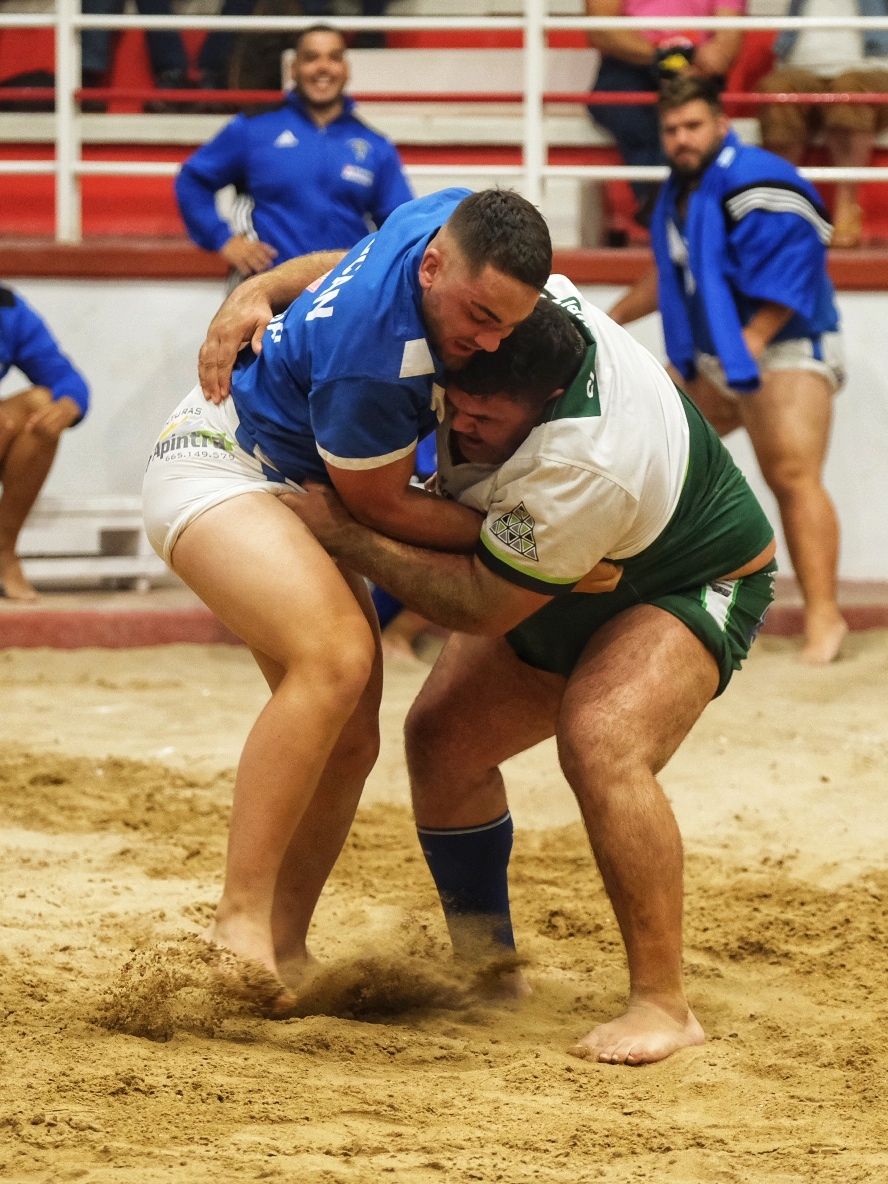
(314,174)
(169,60)
(170,64)
(750,322)
(840,61)
(31,423)
(638,60)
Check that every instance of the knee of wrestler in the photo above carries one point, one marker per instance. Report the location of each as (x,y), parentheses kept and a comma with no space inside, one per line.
(787,474)
(591,758)
(37,397)
(335,662)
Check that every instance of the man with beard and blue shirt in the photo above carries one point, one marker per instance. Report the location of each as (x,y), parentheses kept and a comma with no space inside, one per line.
(344,384)
(309,173)
(750,322)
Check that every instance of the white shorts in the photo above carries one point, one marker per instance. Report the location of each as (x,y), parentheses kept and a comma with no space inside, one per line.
(196,464)
(797,353)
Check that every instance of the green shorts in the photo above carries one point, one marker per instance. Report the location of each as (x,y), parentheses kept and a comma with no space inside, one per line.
(725,615)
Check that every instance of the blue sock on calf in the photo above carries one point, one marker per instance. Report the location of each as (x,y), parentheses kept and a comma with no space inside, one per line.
(470,867)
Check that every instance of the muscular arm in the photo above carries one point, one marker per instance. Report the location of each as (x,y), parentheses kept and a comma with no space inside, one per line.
(384,499)
(642,298)
(245,315)
(455,591)
(628,45)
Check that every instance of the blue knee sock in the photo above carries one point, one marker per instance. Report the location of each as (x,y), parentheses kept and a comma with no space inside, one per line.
(470,867)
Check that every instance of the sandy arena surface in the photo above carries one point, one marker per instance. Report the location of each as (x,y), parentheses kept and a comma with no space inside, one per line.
(121,1061)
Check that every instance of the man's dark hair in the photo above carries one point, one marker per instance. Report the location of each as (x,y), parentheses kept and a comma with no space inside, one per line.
(540,356)
(501,228)
(689,88)
(319,28)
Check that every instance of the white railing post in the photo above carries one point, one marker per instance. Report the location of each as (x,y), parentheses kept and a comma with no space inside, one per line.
(534,60)
(67,71)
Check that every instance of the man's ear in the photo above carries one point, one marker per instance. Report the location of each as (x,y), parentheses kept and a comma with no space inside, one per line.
(429,267)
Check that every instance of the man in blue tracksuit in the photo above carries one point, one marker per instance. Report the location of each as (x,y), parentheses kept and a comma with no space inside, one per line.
(31,423)
(750,322)
(310,174)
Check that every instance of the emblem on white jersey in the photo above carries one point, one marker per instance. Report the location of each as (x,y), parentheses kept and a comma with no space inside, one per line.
(286,140)
(515,529)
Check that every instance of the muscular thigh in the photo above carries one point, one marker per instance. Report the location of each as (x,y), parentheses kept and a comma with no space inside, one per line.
(483,702)
(266,577)
(638,688)
(788,419)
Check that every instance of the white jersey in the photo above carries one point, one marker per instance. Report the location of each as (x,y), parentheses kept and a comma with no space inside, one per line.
(600,477)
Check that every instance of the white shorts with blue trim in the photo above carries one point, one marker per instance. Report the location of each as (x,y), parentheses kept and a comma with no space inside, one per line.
(823,355)
(196,464)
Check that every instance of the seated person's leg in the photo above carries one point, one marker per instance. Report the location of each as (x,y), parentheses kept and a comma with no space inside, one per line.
(25,460)
(787,128)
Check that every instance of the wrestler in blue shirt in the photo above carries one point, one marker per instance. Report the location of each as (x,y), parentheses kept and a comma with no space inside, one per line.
(753,231)
(315,175)
(335,383)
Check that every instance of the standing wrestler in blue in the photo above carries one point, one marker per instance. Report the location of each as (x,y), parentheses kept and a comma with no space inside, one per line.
(311,174)
(31,423)
(750,322)
(343,387)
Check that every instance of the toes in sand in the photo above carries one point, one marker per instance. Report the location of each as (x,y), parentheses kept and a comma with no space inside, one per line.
(645,1033)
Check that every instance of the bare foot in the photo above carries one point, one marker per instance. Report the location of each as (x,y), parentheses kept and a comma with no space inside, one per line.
(646,1032)
(824,633)
(247,969)
(15,583)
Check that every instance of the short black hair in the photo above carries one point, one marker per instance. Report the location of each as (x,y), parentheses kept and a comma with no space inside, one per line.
(689,88)
(501,228)
(319,28)
(539,357)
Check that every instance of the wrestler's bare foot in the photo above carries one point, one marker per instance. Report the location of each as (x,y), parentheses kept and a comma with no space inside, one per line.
(646,1032)
(825,631)
(15,583)
(252,971)
(294,969)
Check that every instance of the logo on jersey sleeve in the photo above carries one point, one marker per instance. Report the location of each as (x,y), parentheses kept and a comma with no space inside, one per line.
(515,530)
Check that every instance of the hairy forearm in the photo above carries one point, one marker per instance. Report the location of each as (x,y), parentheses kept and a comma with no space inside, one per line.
(423,519)
(444,588)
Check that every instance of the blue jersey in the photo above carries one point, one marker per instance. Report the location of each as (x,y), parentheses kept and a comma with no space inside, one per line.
(346,374)
(311,187)
(754,231)
(27,344)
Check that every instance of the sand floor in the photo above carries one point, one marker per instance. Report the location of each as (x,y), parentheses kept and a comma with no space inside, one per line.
(121,1060)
